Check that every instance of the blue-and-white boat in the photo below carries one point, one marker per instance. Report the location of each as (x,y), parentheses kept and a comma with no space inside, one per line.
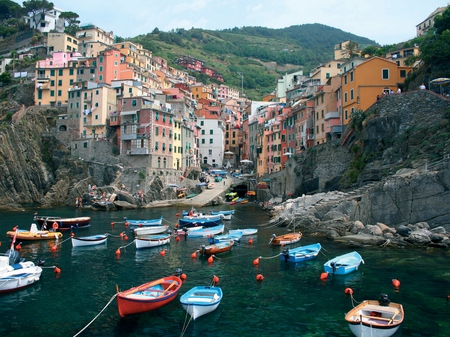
(197,221)
(205,231)
(132,224)
(236,237)
(245,231)
(300,254)
(227,215)
(201,300)
(148,241)
(91,240)
(343,264)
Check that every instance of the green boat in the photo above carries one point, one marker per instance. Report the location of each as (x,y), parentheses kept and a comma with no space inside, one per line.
(190,196)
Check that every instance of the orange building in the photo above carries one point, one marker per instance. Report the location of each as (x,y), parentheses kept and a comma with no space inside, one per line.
(362,81)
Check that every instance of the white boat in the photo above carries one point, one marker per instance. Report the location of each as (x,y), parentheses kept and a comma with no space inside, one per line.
(245,231)
(201,300)
(17,275)
(227,215)
(148,241)
(206,232)
(92,240)
(235,236)
(132,224)
(374,318)
(150,230)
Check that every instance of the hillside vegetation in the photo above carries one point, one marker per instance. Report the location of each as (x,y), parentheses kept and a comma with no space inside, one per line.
(261,54)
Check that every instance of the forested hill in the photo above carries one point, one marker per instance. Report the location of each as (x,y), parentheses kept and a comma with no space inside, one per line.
(260,54)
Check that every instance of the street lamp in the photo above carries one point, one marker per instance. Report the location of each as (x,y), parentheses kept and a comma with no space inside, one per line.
(242,82)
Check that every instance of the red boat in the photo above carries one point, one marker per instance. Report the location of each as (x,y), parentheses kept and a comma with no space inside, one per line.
(57,223)
(149,296)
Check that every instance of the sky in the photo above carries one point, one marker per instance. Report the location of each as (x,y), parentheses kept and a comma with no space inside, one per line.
(384,21)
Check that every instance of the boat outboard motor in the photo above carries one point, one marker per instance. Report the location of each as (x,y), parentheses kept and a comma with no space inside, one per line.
(178,272)
(41,262)
(285,253)
(203,249)
(14,256)
(333,266)
(384,300)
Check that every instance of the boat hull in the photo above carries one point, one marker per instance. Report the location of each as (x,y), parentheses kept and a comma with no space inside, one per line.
(343,264)
(63,223)
(201,300)
(149,296)
(300,254)
(194,222)
(286,239)
(133,224)
(17,276)
(217,248)
(93,240)
(33,236)
(147,230)
(149,241)
(205,232)
(245,231)
(371,319)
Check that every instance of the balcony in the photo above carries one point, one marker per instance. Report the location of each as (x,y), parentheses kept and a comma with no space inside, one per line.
(332,114)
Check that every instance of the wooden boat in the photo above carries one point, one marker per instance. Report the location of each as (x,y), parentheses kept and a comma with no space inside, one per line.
(380,318)
(17,275)
(57,223)
(201,300)
(149,296)
(250,193)
(148,230)
(244,201)
(213,221)
(285,239)
(299,254)
(34,234)
(236,237)
(217,248)
(343,264)
(205,231)
(92,240)
(132,224)
(245,231)
(148,241)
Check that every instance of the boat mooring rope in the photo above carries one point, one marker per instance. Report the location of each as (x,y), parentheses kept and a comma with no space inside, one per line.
(127,244)
(186,324)
(268,258)
(109,302)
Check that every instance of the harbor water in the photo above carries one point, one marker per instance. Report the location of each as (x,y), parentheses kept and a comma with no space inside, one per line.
(291,300)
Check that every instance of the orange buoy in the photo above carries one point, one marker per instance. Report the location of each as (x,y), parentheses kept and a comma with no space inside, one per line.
(118,251)
(176,225)
(256,261)
(183,277)
(177,238)
(324,276)
(259,277)
(112,224)
(126,223)
(348,291)
(72,234)
(140,225)
(448,297)
(177,214)
(215,280)
(210,259)
(121,235)
(162,253)
(250,241)
(396,283)
(55,226)
(125,237)
(18,247)
(194,255)
(54,248)
(57,270)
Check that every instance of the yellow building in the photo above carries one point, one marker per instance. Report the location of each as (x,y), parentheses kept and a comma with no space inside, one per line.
(423,27)
(365,80)
(200,91)
(92,40)
(400,56)
(61,42)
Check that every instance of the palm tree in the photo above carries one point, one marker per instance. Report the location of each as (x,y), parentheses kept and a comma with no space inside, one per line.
(350,50)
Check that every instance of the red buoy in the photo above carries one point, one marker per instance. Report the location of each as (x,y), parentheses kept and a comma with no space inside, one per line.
(348,291)
(177,238)
(72,234)
(112,224)
(259,277)
(183,277)
(121,235)
(57,270)
(126,223)
(256,261)
(54,248)
(18,247)
(125,237)
(210,259)
(396,283)
(324,276)
(250,241)
(162,253)
(215,280)
(176,225)
(194,255)
(118,251)
(177,214)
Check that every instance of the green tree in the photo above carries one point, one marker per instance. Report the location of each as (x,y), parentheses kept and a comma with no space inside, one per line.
(5,78)
(72,21)
(442,22)
(372,51)
(36,7)
(10,9)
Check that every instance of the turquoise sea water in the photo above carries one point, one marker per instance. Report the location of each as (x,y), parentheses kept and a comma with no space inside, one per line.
(292,300)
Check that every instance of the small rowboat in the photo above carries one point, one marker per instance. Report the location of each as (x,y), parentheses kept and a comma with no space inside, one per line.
(236,237)
(245,231)
(380,318)
(34,234)
(299,254)
(149,296)
(285,239)
(92,240)
(148,241)
(150,230)
(57,223)
(132,224)
(343,264)
(205,231)
(226,215)
(18,275)
(217,248)
(201,300)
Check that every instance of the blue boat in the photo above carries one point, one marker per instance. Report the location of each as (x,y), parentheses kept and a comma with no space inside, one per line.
(299,254)
(201,300)
(343,264)
(228,212)
(200,221)
(205,232)
(132,224)
(236,236)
